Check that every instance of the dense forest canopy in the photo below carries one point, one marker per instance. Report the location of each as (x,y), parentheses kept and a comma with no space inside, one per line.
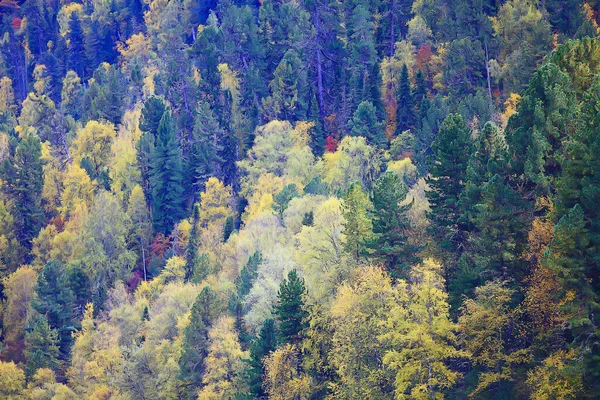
(299,199)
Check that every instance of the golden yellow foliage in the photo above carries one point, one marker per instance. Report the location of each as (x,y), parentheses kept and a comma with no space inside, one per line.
(283,380)
(559,377)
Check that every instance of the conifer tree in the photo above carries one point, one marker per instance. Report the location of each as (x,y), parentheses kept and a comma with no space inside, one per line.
(204,159)
(363,55)
(290,309)
(196,342)
(228,228)
(76,53)
(405,113)
(365,123)
(451,150)
(41,347)
(166,177)
(248,275)
(55,301)
(23,179)
(567,257)
(191,251)
(261,347)
(391,226)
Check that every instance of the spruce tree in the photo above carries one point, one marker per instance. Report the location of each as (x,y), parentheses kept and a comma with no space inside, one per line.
(228,228)
(204,159)
(290,311)
(166,177)
(405,113)
(365,123)
(55,300)
(568,258)
(76,53)
(196,342)
(248,275)
(391,226)
(23,179)
(262,346)
(41,347)
(451,151)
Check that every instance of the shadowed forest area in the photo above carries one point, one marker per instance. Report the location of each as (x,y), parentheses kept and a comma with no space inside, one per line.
(299,199)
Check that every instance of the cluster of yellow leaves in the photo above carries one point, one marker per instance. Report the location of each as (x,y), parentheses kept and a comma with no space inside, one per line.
(283,380)
(559,377)
(483,322)
(224,363)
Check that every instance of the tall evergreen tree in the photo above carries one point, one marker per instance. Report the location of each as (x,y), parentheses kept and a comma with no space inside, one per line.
(204,159)
(191,251)
(365,123)
(261,347)
(76,54)
(451,151)
(391,226)
(196,342)
(55,301)
(41,347)
(23,179)
(290,311)
(166,177)
(405,113)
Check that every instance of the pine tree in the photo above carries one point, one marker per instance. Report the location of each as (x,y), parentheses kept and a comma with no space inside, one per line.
(55,301)
(76,54)
(248,275)
(228,228)
(405,114)
(391,226)
(204,159)
(41,347)
(166,177)
(23,179)
(261,347)
(290,311)
(568,258)
(363,55)
(365,123)
(497,238)
(288,88)
(448,171)
(196,342)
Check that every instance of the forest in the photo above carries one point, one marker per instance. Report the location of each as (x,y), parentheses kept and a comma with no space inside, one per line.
(299,199)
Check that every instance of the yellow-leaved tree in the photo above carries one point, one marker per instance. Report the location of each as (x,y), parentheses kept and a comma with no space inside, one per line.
(283,379)
(484,321)
(224,366)
(421,335)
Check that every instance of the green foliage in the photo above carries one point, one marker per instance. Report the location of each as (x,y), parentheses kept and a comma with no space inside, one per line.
(290,310)
(195,340)
(166,177)
(356,210)
(41,346)
(405,115)
(55,302)
(448,171)
(22,176)
(391,226)
(261,347)
(365,123)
